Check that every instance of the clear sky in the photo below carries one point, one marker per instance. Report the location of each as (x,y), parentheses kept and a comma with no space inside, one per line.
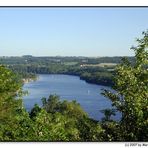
(70,31)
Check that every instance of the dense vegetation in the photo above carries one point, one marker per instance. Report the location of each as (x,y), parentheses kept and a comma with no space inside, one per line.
(93,70)
(59,120)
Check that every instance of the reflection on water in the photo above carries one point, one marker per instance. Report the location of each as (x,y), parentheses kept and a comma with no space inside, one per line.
(68,88)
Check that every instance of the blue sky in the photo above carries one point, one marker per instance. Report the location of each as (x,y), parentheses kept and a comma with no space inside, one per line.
(70,31)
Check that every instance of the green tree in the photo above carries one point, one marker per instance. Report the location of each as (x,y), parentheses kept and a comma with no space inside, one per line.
(108,113)
(10,87)
(35,110)
(10,91)
(131,97)
(54,127)
(22,128)
(51,104)
(72,109)
(90,130)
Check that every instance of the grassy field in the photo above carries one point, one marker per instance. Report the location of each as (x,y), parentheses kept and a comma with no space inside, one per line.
(99,65)
(70,63)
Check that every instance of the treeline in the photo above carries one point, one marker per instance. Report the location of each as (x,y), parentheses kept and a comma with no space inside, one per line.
(29,66)
(59,120)
(101,78)
(58,59)
(96,75)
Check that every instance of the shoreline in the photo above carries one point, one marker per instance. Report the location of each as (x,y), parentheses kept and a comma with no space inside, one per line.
(87,81)
(28,80)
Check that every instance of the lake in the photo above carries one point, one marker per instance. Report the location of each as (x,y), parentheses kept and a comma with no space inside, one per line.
(68,88)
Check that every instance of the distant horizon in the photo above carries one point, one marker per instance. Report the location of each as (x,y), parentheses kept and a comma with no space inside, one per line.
(64,56)
(87,32)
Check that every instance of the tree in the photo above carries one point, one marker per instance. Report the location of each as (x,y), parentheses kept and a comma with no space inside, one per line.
(90,130)
(131,97)
(51,105)
(35,110)
(108,113)
(72,109)
(10,90)
(10,87)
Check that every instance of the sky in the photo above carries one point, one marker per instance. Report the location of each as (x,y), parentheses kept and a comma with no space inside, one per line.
(60,31)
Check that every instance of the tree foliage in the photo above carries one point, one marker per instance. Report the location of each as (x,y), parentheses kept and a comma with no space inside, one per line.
(131,97)
(60,120)
(10,87)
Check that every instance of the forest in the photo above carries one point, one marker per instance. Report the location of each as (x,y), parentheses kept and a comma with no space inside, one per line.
(66,121)
(93,70)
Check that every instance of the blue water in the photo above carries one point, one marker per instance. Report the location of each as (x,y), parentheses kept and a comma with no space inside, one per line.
(68,88)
